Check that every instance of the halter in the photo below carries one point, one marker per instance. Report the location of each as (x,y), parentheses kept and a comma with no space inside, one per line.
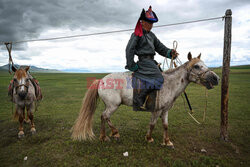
(200,75)
(25,85)
(22,85)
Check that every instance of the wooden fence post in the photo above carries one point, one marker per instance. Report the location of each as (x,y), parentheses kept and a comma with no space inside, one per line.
(225,75)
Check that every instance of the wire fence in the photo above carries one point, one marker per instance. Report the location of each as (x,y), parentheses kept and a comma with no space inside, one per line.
(110,32)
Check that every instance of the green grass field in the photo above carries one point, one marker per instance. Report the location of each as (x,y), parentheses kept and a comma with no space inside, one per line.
(63,94)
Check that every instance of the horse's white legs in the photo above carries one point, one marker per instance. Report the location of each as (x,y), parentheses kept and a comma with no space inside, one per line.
(106,117)
(153,121)
(166,140)
(31,118)
(21,118)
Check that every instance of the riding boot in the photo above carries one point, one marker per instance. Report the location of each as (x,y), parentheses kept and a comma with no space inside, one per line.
(140,99)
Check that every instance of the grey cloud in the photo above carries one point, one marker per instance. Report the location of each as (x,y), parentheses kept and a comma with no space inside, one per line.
(26,57)
(26,19)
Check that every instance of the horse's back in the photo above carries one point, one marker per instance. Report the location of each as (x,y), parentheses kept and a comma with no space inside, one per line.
(116,88)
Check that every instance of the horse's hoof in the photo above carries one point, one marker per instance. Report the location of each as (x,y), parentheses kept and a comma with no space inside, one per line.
(149,140)
(116,137)
(104,138)
(169,145)
(20,134)
(33,131)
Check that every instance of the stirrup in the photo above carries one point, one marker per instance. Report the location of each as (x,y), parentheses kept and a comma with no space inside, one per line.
(144,104)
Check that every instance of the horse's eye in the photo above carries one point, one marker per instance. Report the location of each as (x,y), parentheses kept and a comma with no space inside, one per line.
(15,80)
(27,80)
(196,67)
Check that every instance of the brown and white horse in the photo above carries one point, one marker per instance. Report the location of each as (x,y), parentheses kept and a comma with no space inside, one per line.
(24,98)
(175,82)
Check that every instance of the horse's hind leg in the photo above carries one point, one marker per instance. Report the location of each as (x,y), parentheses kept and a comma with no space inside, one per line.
(103,136)
(21,118)
(114,132)
(31,118)
(106,117)
(153,121)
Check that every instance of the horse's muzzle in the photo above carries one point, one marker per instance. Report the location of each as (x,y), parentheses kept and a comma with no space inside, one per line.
(22,95)
(211,79)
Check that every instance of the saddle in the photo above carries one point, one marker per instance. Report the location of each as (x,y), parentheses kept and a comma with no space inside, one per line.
(150,100)
(37,87)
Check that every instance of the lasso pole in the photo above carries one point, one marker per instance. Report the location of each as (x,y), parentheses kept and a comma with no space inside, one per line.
(9,47)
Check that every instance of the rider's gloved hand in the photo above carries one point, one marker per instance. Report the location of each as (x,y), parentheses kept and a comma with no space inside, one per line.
(174,54)
(133,68)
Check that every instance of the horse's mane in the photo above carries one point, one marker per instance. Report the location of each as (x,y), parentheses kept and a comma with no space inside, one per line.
(171,70)
(187,65)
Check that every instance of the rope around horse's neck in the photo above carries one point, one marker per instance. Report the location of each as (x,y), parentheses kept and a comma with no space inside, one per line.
(173,64)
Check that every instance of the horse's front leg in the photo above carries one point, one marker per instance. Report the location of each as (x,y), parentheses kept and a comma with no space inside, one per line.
(166,140)
(20,111)
(153,121)
(31,118)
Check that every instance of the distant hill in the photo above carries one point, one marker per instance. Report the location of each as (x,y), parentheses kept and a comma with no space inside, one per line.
(235,67)
(240,67)
(73,70)
(32,69)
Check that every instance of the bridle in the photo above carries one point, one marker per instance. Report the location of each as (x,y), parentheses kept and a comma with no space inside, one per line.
(199,76)
(22,85)
(25,85)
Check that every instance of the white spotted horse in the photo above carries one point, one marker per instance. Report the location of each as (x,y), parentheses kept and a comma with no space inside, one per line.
(175,82)
(24,91)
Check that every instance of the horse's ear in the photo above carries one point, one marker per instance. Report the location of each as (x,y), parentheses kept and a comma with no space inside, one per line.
(199,57)
(27,68)
(13,68)
(189,56)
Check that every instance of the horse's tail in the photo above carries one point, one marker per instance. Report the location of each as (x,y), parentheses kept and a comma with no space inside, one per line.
(82,130)
(17,115)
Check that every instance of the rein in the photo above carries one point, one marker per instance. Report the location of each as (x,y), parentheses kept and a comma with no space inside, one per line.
(173,64)
(200,78)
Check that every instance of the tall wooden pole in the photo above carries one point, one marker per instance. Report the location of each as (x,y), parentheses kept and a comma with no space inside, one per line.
(225,75)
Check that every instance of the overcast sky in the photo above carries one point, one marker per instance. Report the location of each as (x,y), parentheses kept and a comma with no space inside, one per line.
(35,19)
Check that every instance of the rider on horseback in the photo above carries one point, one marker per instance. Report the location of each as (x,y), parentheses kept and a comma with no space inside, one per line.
(144,43)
